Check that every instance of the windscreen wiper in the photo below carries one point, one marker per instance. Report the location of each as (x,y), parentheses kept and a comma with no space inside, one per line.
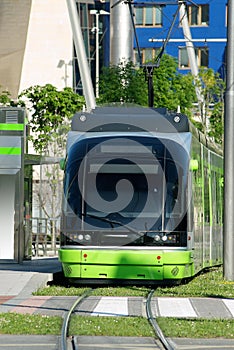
(112,223)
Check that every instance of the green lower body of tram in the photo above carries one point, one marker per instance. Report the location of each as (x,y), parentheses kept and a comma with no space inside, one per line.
(154,266)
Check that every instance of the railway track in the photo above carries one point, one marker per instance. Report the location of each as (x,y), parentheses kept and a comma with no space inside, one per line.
(67,343)
(64,333)
(154,324)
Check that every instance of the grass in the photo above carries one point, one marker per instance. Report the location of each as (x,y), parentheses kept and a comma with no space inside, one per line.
(140,327)
(196,328)
(108,291)
(207,284)
(111,326)
(13,323)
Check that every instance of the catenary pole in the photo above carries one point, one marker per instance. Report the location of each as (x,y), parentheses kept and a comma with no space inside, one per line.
(190,48)
(81,55)
(121,33)
(229,152)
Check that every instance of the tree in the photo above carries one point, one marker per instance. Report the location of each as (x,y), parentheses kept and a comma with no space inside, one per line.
(211,119)
(217,123)
(173,89)
(50,111)
(122,83)
(126,83)
(50,114)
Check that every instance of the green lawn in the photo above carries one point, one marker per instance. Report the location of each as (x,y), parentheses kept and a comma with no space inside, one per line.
(11,323)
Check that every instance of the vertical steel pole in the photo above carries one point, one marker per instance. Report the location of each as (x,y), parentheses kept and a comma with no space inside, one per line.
(121,33)
(190,47)
(97,54)
(188,39)
(229,152)
(81,55)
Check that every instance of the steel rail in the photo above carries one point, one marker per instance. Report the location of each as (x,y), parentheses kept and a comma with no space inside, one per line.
(66,320)
(154,324)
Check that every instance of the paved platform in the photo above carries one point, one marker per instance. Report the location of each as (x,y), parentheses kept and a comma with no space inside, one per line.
(27,277)
(39,342)
(29,342)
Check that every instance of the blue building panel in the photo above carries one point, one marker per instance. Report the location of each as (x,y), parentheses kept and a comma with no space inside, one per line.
(211,36)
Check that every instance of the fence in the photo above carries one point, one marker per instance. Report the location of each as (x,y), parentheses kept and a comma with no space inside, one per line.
(42,236)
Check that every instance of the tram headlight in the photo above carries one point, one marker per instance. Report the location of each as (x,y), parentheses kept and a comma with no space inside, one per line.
(80,237)
(164,238)
(157,238)
(87,237)
(177,119)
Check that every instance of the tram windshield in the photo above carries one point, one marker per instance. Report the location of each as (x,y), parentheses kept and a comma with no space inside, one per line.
(139,182)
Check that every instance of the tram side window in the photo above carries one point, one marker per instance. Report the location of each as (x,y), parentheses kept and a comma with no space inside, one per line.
(72,195)
(173,196)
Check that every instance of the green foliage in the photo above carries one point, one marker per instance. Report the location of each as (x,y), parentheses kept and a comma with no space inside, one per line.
(172,89)
(212,85)
(50,114)
(51,111)
(125,83)
(212,89)
(217,123)
(122,83)
(5,98)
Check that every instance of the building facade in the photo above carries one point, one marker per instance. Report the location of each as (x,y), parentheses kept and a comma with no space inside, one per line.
(208,26)
(36,44)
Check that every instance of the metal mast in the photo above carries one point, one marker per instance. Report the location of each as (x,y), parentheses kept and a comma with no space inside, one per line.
(81,55)
(191,54)
(188,41)
(121,33)
(229,152)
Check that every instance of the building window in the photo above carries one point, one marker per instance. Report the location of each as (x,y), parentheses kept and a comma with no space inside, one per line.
(201,53)
(198,15)
(147,55)
(149,16)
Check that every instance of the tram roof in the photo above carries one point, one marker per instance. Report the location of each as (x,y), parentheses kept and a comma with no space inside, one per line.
(114,119)
(138,119)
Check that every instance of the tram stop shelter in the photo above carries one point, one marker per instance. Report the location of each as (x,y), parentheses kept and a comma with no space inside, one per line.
(12,140)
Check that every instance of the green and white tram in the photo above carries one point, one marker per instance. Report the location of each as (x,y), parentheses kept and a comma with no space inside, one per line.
(143,198)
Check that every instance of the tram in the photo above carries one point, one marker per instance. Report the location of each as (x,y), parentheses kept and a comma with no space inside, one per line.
(143,198)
